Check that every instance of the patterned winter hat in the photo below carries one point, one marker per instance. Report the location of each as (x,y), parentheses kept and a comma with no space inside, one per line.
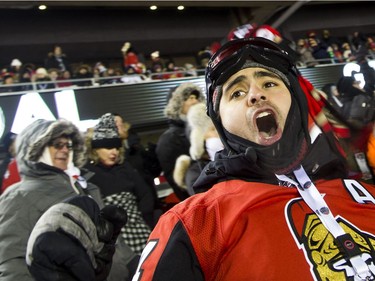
(105,133)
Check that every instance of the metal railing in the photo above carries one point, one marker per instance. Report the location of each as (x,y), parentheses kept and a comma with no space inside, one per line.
(44,86)
(47,86)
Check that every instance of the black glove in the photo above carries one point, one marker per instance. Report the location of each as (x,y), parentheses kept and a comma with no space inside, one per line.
(111,220)
(72,241)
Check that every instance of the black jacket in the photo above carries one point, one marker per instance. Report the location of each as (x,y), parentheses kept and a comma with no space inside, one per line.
(171,144)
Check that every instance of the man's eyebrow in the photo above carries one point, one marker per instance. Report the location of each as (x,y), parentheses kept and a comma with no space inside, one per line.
(236,81)
(263,73)
(256,74)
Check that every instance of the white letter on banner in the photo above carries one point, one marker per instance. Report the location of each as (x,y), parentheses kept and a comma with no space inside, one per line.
(31,107)
(66,105)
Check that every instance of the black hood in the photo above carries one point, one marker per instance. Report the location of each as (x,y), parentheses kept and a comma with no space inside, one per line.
(287,153)
(321,162)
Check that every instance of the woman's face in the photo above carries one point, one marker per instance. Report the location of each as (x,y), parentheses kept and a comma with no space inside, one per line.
(191,100)
(108,156)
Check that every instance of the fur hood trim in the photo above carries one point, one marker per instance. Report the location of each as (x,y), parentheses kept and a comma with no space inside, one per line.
(198,122)
(34,138)
(177,98)
(180,169)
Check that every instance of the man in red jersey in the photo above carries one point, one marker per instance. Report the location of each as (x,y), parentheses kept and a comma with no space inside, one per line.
(277,204)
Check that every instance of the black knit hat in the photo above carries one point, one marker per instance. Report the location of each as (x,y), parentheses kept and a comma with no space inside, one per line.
(105,133)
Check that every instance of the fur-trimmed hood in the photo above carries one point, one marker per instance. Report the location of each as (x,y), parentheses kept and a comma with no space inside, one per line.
(30,143)
(177,98)
(199,123)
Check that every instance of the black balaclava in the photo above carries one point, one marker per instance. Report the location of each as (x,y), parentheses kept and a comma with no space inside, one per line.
(287,153)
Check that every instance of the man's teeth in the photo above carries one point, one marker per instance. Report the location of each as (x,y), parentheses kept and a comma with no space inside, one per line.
(263,114)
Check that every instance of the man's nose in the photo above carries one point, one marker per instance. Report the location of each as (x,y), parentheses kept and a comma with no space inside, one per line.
(255,95)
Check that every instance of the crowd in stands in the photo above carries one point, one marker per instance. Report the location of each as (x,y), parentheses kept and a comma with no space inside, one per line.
(325,48)
(58,71)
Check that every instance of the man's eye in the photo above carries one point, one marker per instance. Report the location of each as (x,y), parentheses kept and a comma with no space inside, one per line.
(270,84)
(237,94)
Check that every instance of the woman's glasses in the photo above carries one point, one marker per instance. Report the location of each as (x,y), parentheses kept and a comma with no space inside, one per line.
(60,144)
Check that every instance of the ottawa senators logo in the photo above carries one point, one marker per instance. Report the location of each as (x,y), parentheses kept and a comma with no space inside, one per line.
(326,261)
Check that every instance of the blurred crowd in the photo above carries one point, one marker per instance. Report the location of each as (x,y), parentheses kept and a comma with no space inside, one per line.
(58,71)
(325,48)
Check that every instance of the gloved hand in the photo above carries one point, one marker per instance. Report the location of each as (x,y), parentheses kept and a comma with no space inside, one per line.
(111,220)
(72,241)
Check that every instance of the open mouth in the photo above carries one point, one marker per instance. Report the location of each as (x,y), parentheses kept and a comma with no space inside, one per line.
(267,125)
(268,128)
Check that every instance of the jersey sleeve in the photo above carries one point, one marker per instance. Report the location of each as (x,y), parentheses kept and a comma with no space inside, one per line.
(169,254)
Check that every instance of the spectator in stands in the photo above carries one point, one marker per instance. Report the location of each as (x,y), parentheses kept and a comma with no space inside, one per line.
(119,182)
(157,66)
(172,69)
(54,74)
(15,68)
(358,115)
(130,58)
(131,76)
(111,76)
(75,240)
(337,54)
(305,52)
(143,159)
(319,49)
(84,75)
(349,89)
(190,70)
(204,143)
(203,57)
(63,79)
(280,175)
(328,39)
(57,59)
(26,75)
(42,79)
(175,141)
(333,96)
(8,84)
(359,47)
(347,52)
(371,46)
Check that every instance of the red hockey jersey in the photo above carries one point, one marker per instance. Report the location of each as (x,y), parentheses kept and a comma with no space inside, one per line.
(254,231)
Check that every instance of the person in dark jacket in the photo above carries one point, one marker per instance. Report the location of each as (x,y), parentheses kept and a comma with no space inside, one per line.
(57,59)
(278,204)
(70,231)
(175,141)
(204,143)
(119,183)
